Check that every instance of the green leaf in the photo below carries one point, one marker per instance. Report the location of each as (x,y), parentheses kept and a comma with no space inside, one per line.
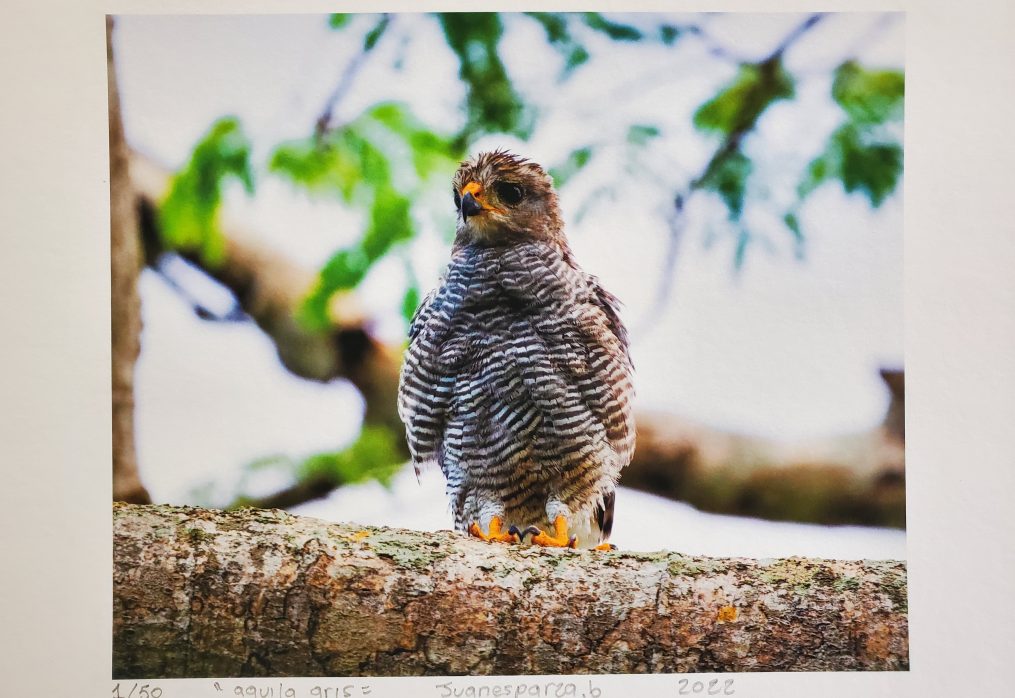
(576,55)
(576,160)
(855,157)
(411,298)
(430,151)
(740,252)
(863,153)
(793,224)
(372,36)
(350,165)
(358,164)
(337,20)
(374,455)
(492,105)
(641,134)
(319,166)
(869,96)
(345,269)
(338,163)
(738,105)
(669,34)
(872,169)
(189,214)
(410,301)
(728,178)
(389,224)
(313,311)
(555,24)
(614,30)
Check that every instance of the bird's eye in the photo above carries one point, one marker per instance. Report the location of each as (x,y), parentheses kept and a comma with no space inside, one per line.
(458,199)
(509,193)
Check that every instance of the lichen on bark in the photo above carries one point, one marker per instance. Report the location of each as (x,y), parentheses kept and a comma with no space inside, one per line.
(254,592)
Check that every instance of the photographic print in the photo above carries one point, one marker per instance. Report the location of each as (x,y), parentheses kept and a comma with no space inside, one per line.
(507,344)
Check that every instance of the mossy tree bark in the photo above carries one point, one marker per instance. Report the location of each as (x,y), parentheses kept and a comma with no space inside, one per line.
(253,592)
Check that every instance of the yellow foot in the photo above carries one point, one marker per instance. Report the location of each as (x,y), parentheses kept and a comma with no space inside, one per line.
(495,534)
(559,539)
(605,546)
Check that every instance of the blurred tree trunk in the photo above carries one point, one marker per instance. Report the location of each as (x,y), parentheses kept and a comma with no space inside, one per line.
(199,593)
(857,479)
(125,263)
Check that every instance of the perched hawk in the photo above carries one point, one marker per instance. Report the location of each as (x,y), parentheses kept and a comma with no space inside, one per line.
(517,380)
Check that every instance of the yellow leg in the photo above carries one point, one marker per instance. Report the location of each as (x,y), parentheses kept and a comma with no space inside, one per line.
(495,534)
(559,539)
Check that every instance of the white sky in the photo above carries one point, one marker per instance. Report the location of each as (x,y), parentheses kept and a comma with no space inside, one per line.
(787,349)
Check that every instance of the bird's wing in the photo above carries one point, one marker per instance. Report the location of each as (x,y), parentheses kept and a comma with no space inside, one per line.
(424,389)
(583,335)
(437,352)
(609,389)
(610,305)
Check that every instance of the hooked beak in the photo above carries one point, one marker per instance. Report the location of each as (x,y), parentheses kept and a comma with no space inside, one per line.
(470,207)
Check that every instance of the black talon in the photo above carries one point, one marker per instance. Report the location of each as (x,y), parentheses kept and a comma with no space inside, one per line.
(573,543)
(516,533)
(530,530)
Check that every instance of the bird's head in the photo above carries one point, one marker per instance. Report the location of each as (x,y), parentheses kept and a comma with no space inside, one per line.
(502,198)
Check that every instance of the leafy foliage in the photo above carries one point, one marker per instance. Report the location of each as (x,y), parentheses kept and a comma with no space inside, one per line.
(555,24)
(738,106)
(492,104)
(189,215)
(669,33)
(374,455)
(729,180)
(361,163)
(374,35)
(733,112)
(869,96)
(338,20)
(861,160)
(354,163)
(576,160)
(410,301)
(614,30)
(641,134)
(863,153)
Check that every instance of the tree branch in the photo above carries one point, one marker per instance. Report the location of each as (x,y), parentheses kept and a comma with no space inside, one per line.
(352,69)
(270,288)
(847,479)
(200,593)
(729,146)
(125,268)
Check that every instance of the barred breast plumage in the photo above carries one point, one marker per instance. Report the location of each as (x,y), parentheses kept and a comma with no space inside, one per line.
(517,379)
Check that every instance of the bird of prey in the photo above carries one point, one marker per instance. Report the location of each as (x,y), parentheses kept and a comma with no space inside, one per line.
(518,380)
